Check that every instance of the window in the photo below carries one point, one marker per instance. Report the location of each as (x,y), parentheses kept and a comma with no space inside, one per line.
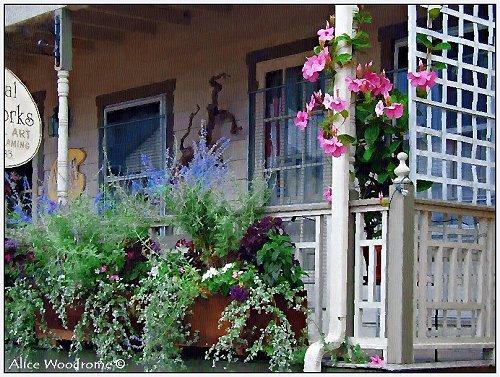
(133,123)
(131,130)
(293,159)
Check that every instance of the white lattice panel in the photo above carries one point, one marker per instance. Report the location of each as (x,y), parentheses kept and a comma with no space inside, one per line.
(452,131)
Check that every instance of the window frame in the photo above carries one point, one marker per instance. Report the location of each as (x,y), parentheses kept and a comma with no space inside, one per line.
(163,129)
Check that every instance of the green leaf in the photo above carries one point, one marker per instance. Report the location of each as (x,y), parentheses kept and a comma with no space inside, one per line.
(343,58)
(367,155)
(346,139)
(434,13)
(442,46)
(317,50)
(371,134)
(438,66)
(394,145)
(344,113)
(360,43)
(422,38)
(382,177)
(423,185)
(421,93)
(343,37)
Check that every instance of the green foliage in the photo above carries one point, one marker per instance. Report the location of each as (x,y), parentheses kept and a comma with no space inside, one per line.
(434,13)
(277,261)
(215,223)
(277,339)
(423,185)
(162,302)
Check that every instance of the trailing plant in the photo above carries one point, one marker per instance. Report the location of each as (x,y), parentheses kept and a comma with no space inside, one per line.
(162,301)
(277,340)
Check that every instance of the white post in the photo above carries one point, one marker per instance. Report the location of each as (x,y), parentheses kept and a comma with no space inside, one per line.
(63,65)
(338,250)
(62,139)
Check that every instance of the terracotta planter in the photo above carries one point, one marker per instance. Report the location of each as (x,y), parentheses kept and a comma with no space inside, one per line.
(206,313)
(55,328)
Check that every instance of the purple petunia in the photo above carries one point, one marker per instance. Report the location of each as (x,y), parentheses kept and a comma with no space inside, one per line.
(239,293)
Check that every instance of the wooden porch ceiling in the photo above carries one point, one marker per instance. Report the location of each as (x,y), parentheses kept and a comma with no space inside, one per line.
(102,23)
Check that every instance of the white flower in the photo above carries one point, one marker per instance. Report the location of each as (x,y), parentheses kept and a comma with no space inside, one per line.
(227,267)
(183,249)
(154,271)
(209,274)
(96,271)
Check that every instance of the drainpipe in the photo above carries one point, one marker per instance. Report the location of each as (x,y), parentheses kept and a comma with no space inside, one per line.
(337,251)
(63,56)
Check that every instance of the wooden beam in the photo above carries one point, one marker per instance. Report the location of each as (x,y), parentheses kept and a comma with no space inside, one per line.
(96,33)
(147,12)
(117,22)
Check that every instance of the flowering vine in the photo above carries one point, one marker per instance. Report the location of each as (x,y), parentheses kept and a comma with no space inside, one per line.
(381,110)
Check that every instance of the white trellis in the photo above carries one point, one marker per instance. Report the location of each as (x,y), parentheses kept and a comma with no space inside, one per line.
(452,132)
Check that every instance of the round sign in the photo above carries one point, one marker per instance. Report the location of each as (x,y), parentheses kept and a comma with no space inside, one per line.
(23,126)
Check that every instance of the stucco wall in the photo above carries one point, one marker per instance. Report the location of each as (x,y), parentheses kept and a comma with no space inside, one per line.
(190,54)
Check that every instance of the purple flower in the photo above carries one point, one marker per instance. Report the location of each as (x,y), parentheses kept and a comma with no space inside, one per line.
(238,293)
(26,185)
(182,270)
(52,207)
(257,235)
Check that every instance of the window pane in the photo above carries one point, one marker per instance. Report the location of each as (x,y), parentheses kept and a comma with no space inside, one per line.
(131,132)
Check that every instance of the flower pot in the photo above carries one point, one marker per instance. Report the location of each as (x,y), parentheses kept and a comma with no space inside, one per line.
(206,312)
(55,328)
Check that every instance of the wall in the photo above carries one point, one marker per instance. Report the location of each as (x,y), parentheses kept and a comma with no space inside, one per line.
(190,54)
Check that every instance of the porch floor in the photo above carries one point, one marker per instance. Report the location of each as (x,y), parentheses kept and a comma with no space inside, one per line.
(487,366)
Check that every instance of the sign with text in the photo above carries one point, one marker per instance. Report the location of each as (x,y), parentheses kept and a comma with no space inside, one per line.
(23,126)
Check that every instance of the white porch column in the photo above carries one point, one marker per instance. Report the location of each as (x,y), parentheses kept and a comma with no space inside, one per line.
(62,139)
(338,245)
(63,66)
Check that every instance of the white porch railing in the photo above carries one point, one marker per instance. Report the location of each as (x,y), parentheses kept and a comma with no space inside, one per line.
(370,260)
(455,273)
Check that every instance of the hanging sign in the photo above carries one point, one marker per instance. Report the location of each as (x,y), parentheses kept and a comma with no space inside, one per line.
(23,126)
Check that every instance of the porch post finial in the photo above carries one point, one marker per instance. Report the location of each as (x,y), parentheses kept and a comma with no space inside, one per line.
(402,171)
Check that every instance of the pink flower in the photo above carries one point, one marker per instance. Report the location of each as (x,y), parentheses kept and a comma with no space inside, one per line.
(354,85)
(372,81)
(8,258)
(381,197)
(384,87)
(310,106)
(376,360)
(113,277)
(394,111)
(103,269)
(333,103)
(31,255)
(315,64)
(379,108)
(301,120)
(359,71)
(326,34)
(333,146)
(308,72)
(234,274)
(181,270)
(328,195)
(422,79)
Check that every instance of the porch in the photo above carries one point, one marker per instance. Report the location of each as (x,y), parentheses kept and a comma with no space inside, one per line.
(451,143)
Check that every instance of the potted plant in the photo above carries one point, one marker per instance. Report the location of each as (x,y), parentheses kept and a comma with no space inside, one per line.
(87,257)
